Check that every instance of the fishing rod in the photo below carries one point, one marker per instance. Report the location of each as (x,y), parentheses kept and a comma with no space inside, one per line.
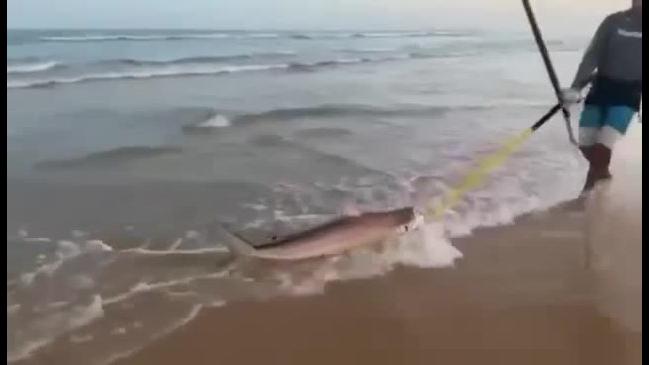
(486,165)
(554,80)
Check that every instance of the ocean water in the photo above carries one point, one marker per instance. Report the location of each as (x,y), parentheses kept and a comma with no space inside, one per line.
(126,147)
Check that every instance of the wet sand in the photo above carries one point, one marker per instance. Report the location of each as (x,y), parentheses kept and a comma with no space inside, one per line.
(514,299)
(558,287)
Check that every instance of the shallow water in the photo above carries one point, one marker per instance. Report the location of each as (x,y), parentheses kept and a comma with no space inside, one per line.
(125,148)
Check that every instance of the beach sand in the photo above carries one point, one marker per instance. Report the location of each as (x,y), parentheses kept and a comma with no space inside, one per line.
(555,287)
(559,287)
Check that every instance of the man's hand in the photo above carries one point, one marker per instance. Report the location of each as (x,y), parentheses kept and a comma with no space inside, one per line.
(570,96)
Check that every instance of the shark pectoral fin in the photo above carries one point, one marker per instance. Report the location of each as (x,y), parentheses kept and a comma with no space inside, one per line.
(235,243)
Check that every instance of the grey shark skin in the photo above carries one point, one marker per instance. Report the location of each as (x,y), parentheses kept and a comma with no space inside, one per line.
(330,239)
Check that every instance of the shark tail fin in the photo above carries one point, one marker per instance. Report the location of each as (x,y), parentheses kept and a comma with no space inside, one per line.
(235,243)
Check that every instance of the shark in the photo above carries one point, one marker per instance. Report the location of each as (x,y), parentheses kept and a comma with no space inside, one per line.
(333,238)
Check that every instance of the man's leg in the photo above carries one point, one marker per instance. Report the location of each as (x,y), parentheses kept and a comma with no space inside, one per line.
(589,126)
(587,152)
(601,159)
(616,121)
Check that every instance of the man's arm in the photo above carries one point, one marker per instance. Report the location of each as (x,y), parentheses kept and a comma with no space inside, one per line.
(589,62)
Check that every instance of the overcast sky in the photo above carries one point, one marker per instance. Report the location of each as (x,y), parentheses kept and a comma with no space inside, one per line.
(564,15)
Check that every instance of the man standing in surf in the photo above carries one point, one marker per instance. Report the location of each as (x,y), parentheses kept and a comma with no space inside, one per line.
(613,64)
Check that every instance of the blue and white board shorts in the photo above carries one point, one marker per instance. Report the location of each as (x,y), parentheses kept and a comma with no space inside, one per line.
(604,124)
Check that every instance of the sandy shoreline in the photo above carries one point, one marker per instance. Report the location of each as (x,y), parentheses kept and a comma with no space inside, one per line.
(508,302)
(559,287)
(525,293)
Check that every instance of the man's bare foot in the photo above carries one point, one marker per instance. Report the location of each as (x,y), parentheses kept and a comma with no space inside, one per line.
(588,185)
(577,204)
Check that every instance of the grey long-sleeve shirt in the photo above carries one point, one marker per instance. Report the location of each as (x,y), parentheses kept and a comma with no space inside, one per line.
(615,51)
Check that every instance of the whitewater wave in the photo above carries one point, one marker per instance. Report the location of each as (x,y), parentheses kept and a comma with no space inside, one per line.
(391,34)
(39,66)
(175,252)
(145,287)
(198,59)
(133,68)
(298,66)
(156,37)
(402,34)
(65,250)
(217,121)
(42,333)
(238,35)
(144,73)
(369,50)
(186,67)
(191,314)
(44,325)
(132,37)
(31,67)
(214,121)
(263,35)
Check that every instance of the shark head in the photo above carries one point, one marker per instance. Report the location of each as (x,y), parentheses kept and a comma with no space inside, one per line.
(408,219)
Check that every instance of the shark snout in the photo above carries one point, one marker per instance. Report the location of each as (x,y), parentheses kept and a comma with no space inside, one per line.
(408,219)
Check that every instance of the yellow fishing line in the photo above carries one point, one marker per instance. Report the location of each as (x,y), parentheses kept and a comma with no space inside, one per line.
(479,174)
